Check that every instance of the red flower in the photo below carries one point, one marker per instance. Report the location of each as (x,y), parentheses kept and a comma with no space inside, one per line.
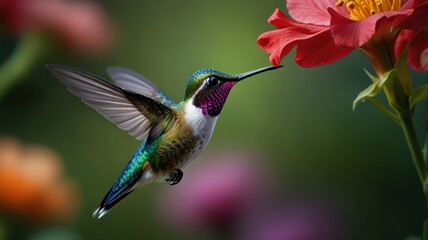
(325,31)
(81,25)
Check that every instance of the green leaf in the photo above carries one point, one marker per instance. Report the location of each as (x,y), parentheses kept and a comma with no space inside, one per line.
(394,91)
(371,91)
(373,78)
(418,95)
(374,89)
(383,109)
(403,73)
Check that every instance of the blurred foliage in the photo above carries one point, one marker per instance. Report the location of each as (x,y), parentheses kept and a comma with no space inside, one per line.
(300,119)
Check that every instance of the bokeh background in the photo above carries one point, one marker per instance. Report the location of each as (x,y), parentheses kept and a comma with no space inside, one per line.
(308,165)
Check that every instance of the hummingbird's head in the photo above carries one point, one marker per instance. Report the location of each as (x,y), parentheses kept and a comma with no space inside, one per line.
(209,88)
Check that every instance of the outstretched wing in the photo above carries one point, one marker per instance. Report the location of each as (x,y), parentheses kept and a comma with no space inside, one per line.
(130,111)
(132,81)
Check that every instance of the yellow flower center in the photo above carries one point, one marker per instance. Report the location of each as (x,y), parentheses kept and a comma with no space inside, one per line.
(360,9)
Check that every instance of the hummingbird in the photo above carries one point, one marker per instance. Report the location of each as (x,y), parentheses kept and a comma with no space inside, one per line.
(172,134)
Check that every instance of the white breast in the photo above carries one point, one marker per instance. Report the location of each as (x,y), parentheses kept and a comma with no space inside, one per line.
(202,125)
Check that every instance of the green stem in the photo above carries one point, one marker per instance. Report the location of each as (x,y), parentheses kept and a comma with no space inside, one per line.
(20,62)
(415,150)
(412,142)
(425,151)
(425,156)
(417,156)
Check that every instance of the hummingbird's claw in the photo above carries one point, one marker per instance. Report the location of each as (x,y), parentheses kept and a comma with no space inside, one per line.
(175,176)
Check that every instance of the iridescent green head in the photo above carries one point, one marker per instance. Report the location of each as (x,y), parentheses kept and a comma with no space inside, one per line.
(210,88)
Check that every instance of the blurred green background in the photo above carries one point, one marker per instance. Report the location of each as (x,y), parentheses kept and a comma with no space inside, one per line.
(301,120)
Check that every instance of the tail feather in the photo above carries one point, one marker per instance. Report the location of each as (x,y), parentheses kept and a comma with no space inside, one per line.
(106,205)
(136,173)
(124,185)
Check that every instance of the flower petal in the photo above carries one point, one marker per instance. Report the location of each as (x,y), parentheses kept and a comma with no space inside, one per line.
(319,50)
(313,11)
(418,52)
(411,4)
(403,40)
(280,20)
(276,44)
(417,20)
(349,33)
(315,46)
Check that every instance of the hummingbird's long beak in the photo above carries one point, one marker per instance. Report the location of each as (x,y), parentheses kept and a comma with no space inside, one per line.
(254,72)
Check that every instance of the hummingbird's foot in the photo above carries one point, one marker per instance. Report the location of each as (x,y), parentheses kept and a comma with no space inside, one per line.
(175,176)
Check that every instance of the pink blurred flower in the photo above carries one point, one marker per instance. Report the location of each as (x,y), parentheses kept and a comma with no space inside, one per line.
(80,25)
(216,192)
(234,194)
(298,220)
(31,183)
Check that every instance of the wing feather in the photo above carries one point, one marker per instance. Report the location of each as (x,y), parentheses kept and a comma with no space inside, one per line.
(130,80)
(130,111)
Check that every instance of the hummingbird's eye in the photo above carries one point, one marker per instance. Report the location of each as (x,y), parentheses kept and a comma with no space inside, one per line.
(212,81)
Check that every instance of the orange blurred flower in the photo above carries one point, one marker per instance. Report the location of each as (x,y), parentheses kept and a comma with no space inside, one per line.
(32,185)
